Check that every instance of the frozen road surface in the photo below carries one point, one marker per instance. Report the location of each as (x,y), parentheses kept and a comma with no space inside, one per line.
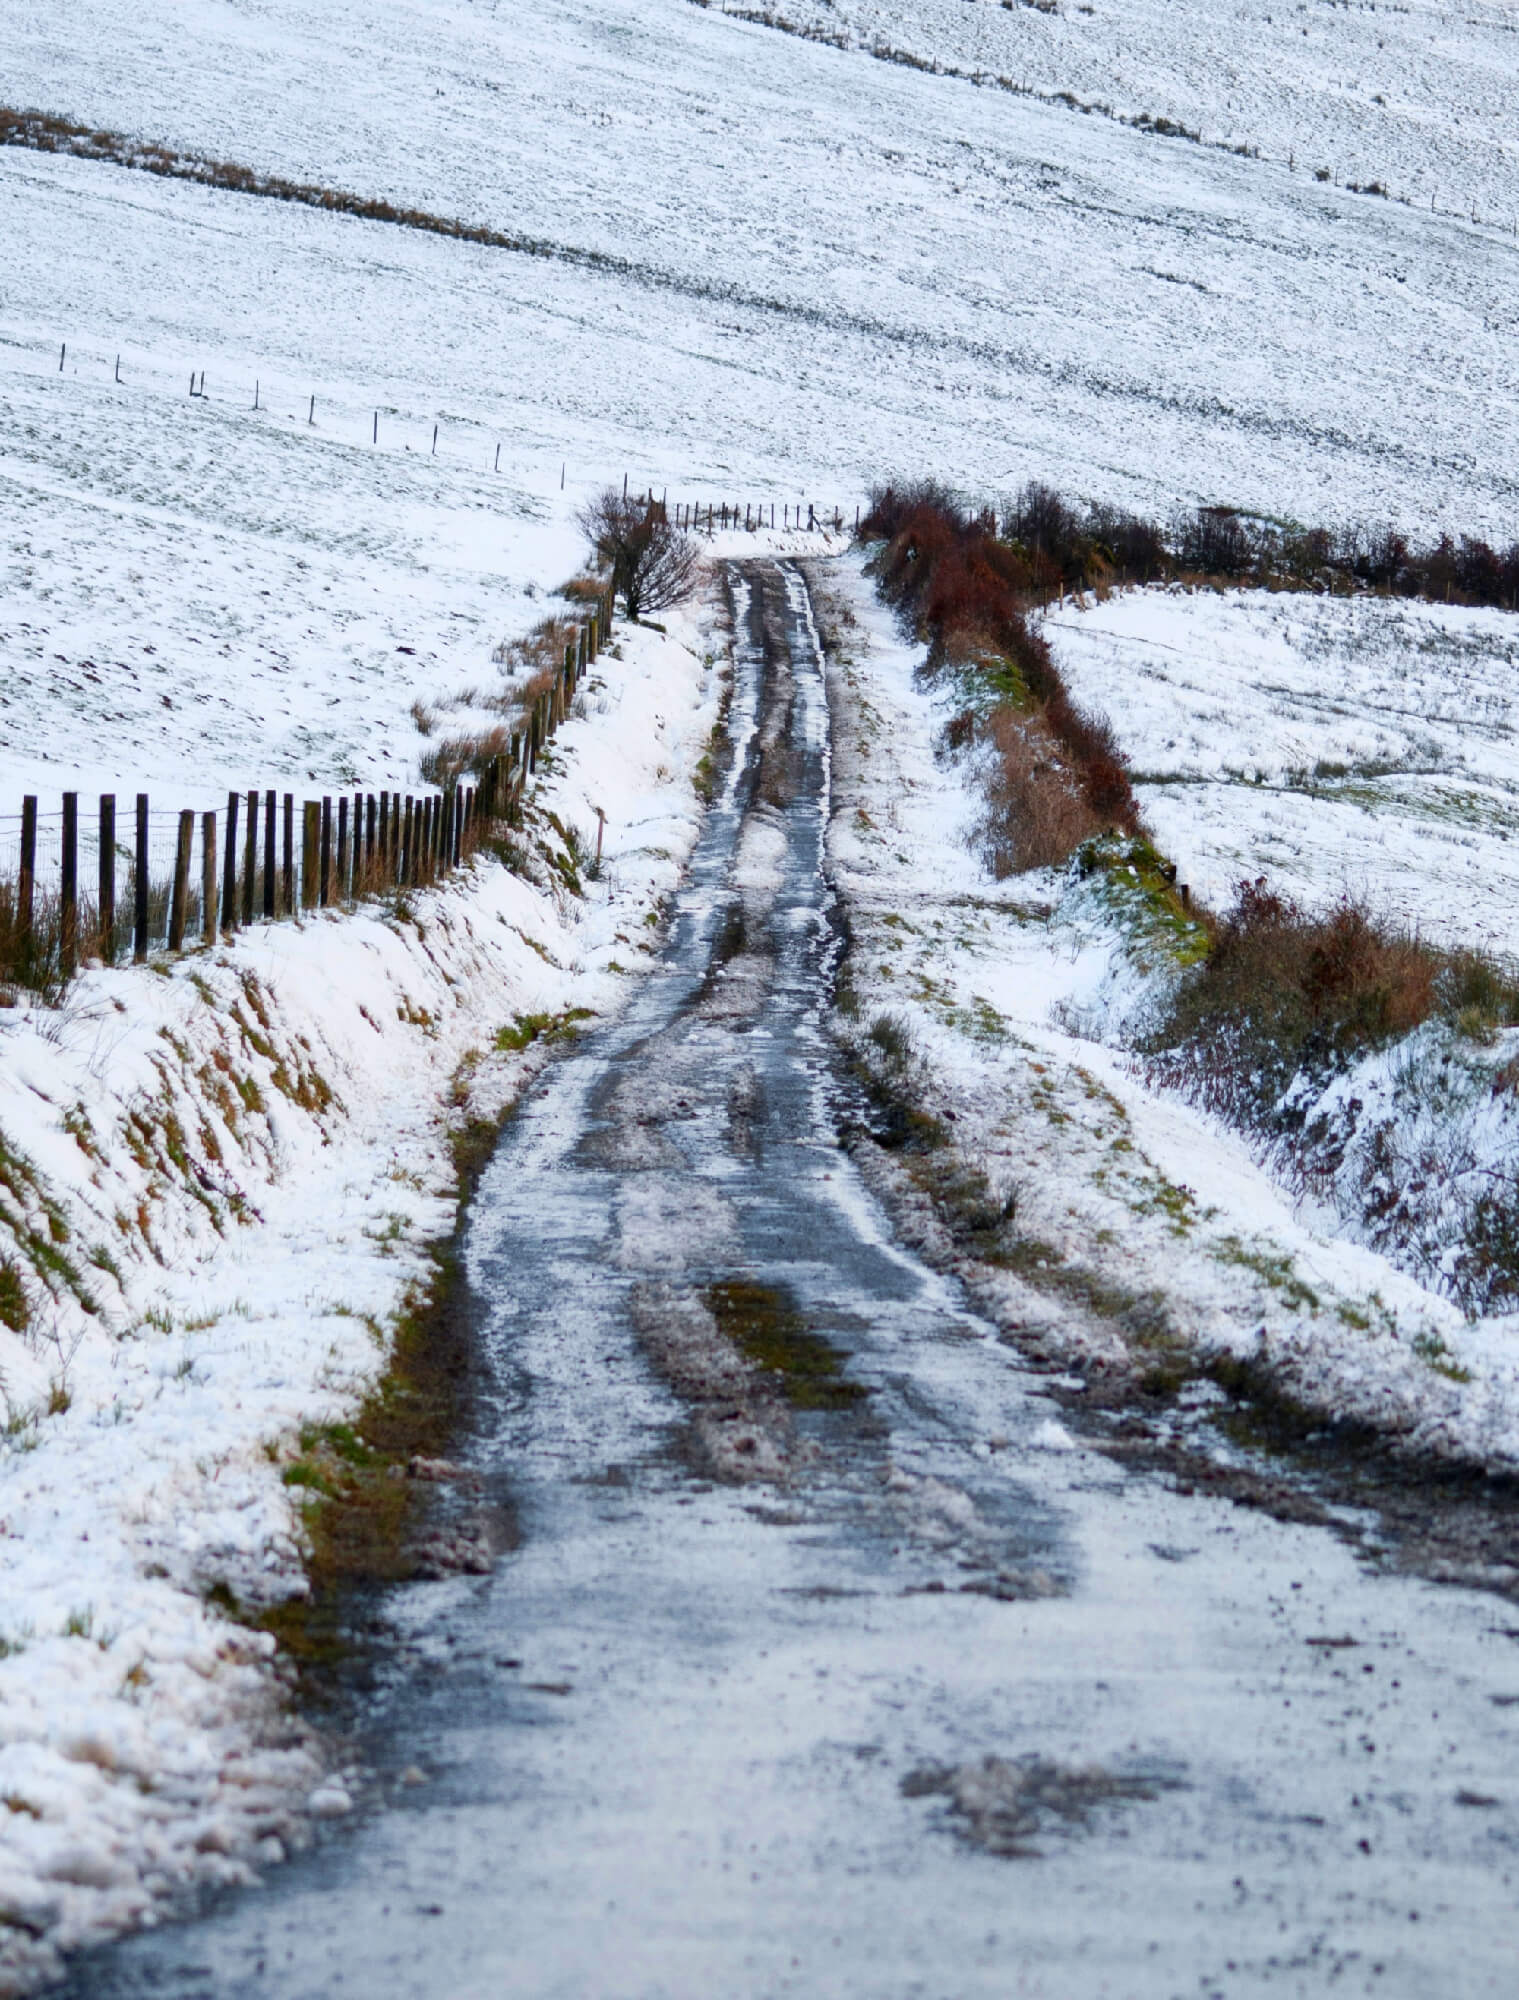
(828,1661)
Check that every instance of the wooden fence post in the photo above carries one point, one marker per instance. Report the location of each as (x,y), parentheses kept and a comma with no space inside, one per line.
(374,837)
(342,882)
(106,911)
(406,859)
(355,873)
(325,893)
(140,886)
(208,877)
(250,858)
(180,901)
(229,866)
(68,888)
(384,850)
(287,870)
(458,853)
(311,837)
(271,880)
(27,882)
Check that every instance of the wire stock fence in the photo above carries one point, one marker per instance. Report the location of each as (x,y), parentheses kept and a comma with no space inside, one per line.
(709,517)
(124,878)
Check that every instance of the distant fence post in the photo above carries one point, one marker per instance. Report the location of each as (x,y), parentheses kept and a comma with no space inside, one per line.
(27,882)
(311,838)
(406,871)
(208,877)
(250,858)
(68,896)
(229,867)
(271,900)
(180,902)
(287,868)
(383,852)
(324,894)
(342,848)
(140,886)
(106,900)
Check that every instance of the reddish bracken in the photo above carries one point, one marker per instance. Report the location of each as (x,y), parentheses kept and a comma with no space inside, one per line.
(965,592)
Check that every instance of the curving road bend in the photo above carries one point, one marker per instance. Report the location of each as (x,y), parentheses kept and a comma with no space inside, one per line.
(829,1661)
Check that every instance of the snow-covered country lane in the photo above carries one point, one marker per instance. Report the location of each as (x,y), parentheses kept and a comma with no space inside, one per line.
(830,1659)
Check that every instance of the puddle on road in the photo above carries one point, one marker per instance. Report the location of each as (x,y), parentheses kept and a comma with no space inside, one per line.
(1001,1804)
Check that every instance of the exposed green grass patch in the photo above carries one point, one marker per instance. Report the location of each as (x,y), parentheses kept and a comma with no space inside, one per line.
(764,1325)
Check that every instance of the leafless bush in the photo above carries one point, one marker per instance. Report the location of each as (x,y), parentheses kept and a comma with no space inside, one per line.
(653,565)
(1037,812)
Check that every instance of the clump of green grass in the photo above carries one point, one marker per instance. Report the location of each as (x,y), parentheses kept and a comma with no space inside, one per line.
(762,1322)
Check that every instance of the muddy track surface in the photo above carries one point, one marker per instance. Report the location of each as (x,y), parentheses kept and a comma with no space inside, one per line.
(830,1661)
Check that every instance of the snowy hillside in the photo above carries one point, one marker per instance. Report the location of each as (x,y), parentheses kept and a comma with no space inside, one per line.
(823,268)
(1337,746)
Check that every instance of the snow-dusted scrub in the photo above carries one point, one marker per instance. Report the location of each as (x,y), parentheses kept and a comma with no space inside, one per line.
(1376,1072)
(1370,1067)
(1120,1230)
(221,1181)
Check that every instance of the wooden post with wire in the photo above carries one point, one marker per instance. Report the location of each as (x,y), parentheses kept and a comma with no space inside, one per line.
(26,886)
(324,895)
(311,837)
(271,880)
(180,901)
(140,886)
(68,896)
(208,877)
(105,911)
(250,858)
(229,866)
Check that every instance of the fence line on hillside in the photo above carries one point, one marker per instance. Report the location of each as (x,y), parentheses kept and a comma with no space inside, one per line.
(193,876)
(709,517)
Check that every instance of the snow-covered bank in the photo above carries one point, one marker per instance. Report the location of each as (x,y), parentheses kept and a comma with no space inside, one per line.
(1115,1226)
(1334,744)
(218,1181)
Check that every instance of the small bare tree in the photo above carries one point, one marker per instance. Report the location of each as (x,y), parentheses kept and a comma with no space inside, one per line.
(653,565)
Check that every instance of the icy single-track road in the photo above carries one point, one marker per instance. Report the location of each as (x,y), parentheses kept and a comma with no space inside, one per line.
(829,1661)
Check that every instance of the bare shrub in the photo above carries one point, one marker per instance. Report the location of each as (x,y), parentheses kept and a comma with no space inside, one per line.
(1036,810)
(1284,993)
(653,565)
(956,583)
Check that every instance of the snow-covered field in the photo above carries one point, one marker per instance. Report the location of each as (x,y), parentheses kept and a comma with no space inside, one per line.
(1337,746)
(832,267)
(766,266)
(243,1163)
(1414,98)
(1149,1230)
